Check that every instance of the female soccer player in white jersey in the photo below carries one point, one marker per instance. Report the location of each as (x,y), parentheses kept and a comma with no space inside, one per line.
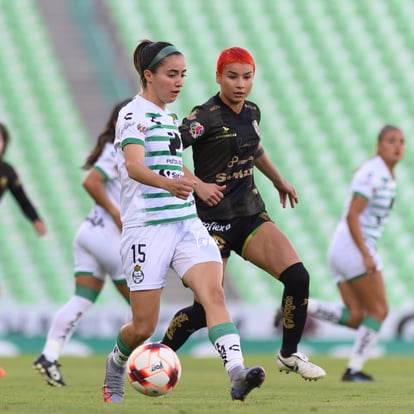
(353,258)
(95,247)
(160,227)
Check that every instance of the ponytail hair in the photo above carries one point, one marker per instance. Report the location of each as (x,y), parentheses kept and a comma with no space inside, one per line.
(108,135)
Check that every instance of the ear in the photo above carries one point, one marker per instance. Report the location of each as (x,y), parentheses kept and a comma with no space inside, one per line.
(218,78)
(148,75)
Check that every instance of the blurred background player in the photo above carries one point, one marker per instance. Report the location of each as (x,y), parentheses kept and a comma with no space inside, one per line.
(9,180)
(353,258)
(225,139)
(96,250)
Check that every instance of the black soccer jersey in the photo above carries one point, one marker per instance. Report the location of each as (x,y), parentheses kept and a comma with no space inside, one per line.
(10,180)
(224,143)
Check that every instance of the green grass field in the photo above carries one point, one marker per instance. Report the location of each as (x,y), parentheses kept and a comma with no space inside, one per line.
(204,388)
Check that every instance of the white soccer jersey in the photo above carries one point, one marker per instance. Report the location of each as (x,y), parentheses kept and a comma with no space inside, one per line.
(374,182)
(106,164)
(144,123)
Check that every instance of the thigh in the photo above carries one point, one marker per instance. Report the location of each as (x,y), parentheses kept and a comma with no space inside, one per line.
(89,281)
(370,291)
(271,250)
(145,306)
(85,262)
(195,246)
(205,281)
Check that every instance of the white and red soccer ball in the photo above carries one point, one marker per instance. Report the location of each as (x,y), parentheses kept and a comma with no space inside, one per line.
(153,369)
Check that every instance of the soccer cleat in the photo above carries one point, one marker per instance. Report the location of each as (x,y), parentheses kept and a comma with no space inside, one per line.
(300,364)
(113,388)
(49,371)
(248,379)
(356,376)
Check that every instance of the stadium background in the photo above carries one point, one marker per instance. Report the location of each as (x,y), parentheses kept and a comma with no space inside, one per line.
(330,74)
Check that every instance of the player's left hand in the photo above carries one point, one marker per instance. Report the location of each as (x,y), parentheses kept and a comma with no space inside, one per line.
(287,191)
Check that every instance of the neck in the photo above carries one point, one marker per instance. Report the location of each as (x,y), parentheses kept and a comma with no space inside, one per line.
(234,106)
(149,97)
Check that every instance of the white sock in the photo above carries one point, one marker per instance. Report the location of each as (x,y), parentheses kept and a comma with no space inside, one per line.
(365,341)
(326,311)
(63,326)
(228,346)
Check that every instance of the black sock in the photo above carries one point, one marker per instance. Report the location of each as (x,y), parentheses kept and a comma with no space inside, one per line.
(184,323)
(294,306)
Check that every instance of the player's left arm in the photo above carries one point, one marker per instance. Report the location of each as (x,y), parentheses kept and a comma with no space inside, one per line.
(16,188)
(265,165)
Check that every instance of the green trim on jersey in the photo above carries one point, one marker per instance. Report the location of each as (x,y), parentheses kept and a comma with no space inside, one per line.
(159,138)
(157,195)
(83,273)
(155,153)
(356,193)
(102,172)
(170,220)
(127,141)
(169,207)
(164,126)
(153,115)
(165,167)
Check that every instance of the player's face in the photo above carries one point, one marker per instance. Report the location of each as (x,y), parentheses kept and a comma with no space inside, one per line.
(166,83)
(236,82)
(391,147)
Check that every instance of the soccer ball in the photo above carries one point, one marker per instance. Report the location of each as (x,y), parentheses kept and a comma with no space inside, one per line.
(153,369)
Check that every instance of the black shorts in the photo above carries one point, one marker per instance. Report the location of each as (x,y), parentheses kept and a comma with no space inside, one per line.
(234,234)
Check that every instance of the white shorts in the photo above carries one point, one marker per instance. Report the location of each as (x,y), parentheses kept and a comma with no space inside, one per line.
(148,252)
(96,250)
(344,258)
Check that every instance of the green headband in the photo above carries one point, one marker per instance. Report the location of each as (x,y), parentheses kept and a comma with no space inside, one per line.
(167,50)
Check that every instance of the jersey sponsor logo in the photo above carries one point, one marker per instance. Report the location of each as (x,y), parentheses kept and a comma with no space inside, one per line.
(196,129)
(128,116)
(137,274)
(214,226)
(171,174)
(236,175)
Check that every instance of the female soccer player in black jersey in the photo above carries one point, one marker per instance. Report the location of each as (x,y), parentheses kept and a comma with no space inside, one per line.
(9,180)
(225,138)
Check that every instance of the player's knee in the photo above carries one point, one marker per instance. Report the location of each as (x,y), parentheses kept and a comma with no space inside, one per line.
(296,277)
(141,332)
(379,312)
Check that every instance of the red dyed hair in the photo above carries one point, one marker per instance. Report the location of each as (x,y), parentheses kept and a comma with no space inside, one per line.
(234,55)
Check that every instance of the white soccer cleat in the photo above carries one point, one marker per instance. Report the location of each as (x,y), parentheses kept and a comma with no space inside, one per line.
(300,364)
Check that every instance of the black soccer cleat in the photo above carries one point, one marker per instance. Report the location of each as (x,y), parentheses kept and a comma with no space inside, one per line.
(356,376)
(49,371)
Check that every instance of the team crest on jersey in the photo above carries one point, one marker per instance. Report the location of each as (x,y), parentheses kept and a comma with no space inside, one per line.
(196,129)
(141,128)
(137,274)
